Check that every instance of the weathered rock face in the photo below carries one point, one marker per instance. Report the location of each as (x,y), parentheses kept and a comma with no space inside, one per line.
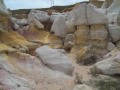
(14,40)
(82,34)
(113,17)
(4,13)
(35,34)
(85,56)
(110,64)
(38,24)
(92,36)
(98,36)
(19,71)
(95,15)
(59,27)
(3,9)
(80,17)
(114,31)
(69,37)
(115,6)
(94,31)
(55,60)
(106,4)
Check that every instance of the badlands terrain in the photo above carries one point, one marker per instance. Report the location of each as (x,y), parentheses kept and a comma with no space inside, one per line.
(77,48)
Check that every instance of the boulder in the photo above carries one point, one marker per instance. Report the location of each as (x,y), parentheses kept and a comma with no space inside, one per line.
(69,37)
(85,56)
(38,24)
(110,65)
(55,60)
(55,16)
(69,45)
(22,22)
(111,46)
(39,15)
(59,27)
(16,26)
(112,18)
(13,19)
(82,87)
(114,31)
(96,15)
(80,17)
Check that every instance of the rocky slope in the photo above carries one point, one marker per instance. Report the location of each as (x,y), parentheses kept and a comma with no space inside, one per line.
(74,50)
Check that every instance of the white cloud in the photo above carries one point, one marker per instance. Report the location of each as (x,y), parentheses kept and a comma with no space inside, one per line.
(20,4)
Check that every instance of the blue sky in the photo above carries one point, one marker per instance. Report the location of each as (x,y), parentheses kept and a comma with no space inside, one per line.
(24,4)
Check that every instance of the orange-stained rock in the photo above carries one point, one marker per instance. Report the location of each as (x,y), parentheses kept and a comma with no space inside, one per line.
(19,71)
(39,35)
(82,34)
(14,40)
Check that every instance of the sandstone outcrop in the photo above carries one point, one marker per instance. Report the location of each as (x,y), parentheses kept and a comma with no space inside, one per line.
(80,16)
(34,34)
(98,36)
(14,40)
(55,60)
(113,17)
(86,56)
(39,15)
(20,71)
(110,64)
(82,34)
(96,15)
(59,27)
(33,58)
(94,30)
